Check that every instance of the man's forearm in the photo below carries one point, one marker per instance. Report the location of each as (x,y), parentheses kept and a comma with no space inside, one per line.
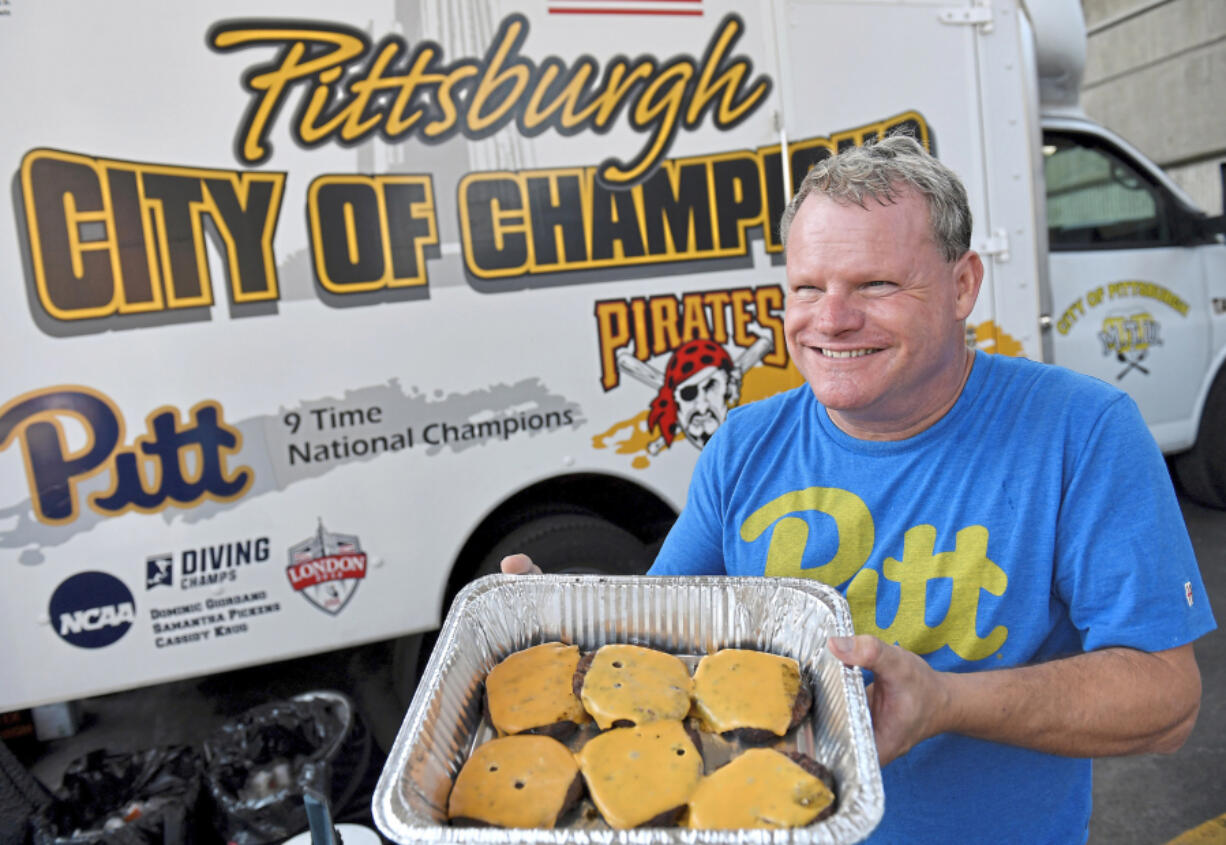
(1104,703)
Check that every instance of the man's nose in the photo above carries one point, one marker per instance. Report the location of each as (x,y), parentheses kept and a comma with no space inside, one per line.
(838,313)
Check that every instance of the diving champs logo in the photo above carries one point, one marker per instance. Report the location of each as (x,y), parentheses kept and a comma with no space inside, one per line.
(326,569)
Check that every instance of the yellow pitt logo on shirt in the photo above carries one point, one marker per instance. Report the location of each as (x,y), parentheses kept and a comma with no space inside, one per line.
(967,568)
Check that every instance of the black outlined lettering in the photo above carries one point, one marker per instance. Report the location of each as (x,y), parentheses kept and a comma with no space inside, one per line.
(148,250)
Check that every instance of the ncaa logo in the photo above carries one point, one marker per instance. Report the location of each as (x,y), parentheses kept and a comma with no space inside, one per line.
(92,609)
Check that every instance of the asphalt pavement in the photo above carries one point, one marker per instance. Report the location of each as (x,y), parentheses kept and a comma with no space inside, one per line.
(1154,798)
(1148,799)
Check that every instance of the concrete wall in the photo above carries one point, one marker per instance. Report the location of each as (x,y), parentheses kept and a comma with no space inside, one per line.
(1156,74)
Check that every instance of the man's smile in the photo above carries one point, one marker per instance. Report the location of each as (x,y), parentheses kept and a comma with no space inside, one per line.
(847,353)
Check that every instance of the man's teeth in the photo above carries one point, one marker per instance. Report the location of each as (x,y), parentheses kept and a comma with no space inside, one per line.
(847,353)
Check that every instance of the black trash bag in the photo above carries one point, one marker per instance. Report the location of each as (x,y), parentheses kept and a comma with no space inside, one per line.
(150,797)
(22,798)
(257,766)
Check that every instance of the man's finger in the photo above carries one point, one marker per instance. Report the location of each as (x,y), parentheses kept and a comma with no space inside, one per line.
(519,564)
(863,650)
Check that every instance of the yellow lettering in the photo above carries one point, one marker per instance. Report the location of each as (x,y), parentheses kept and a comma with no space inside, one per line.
(114,238)
(271,86)
(605,104)
(968,570)
(785,556)
(729,79)
(664,325)
(659,106)
(613,320)
(370,232)
(496,76)
(694,323)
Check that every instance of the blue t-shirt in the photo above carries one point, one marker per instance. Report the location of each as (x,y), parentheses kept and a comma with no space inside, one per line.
(1035,520)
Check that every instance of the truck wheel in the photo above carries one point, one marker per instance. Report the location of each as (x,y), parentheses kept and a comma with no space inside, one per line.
(1201,470)
(577,543)
(573,543)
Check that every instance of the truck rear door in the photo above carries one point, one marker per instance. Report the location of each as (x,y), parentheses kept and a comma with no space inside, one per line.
(951,73)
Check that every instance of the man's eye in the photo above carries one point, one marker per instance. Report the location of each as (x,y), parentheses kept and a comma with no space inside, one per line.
(878,284)
(806,292)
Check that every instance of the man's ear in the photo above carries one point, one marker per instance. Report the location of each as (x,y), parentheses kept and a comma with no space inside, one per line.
(968,275)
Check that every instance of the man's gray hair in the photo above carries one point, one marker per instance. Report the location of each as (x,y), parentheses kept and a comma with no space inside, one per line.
(884,170)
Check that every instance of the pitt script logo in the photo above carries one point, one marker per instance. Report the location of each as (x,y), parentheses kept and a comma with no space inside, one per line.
(967,568)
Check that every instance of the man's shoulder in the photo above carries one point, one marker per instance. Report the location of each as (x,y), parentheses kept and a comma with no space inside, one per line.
(760,421)
(770,409)
(1047,385)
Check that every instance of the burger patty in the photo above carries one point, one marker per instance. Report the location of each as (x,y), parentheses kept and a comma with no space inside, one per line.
(516,781)
(659,699)
(762,788)
(750,696)
(573,794)
(530,691)
(759,736)
(561,731)
(636,770)
(585,663)
(821,773)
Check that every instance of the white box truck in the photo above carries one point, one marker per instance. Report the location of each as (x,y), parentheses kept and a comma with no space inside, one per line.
(312,311)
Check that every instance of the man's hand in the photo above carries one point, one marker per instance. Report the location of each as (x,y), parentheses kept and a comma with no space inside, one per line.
(519,565)
(1098,704)
(906,698)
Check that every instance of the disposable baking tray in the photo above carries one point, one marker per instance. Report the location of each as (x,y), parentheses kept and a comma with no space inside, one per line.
(689,617)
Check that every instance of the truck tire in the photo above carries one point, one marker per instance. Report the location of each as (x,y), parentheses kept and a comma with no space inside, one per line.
(577,543)
(572,543)
(1201,471)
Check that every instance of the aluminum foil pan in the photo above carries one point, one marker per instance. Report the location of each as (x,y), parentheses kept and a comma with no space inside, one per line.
(689,617)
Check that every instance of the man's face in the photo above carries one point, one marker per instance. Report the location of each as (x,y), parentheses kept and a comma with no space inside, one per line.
(874,314)
(702,404)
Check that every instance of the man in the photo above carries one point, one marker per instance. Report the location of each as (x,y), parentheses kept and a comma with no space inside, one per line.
(1017,613)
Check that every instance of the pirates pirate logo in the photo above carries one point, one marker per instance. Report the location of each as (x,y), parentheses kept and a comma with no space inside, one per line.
(701,353)
(326,569)
(699,384)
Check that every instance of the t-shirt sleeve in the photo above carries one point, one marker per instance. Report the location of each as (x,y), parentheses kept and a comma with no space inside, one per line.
(1126,568)
(694,545)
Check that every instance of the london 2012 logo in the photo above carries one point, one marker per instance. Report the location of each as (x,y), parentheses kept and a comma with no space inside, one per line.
(326,569)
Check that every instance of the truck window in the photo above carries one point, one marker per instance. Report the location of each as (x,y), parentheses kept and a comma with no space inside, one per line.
(1098,199)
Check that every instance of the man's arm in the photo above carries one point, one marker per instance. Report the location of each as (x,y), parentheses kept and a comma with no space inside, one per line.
(1103,703)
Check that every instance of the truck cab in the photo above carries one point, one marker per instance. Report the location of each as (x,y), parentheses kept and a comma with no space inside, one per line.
(1136,273)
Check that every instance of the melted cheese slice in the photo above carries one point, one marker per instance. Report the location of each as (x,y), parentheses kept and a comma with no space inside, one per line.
(635,683)
(738,688)
(515,781)
(635,774)
(534,688)
(760,788)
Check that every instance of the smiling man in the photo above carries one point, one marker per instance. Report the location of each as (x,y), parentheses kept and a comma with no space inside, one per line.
(1017,614)
(875,316)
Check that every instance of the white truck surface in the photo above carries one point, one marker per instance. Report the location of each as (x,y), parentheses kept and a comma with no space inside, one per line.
(313,311)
